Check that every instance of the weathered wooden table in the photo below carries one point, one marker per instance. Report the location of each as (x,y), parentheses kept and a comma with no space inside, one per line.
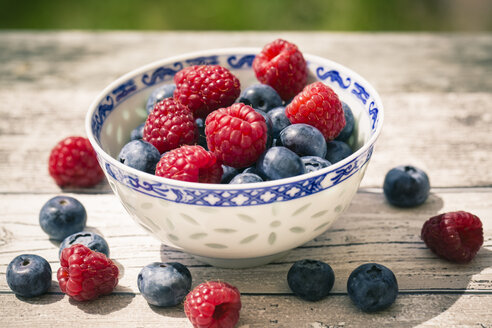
(436,89)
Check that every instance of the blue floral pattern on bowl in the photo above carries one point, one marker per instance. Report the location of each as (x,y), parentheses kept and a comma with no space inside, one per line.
(233,197)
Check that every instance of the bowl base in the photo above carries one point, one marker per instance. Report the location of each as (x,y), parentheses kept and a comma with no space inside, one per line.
(240,263)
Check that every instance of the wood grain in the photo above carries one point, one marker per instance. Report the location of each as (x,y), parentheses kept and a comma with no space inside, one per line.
(436,93)
(382,234)
(129,310)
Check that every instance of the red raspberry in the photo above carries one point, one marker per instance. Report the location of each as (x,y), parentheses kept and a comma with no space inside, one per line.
(170,125)
(213,304)
(318,105)
(282,66)
(205,88)
(236,135)
(455,236)
(73,163)
(85,274)
(190,163)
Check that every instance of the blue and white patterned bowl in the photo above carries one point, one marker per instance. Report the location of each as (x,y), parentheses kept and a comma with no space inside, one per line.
(231,225)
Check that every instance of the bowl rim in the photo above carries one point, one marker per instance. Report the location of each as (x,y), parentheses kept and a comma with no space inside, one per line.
(217,186)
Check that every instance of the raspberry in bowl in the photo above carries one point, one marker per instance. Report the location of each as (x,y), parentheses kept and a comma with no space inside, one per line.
(239,224)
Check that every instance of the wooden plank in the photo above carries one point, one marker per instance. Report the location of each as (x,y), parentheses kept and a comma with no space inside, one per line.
(439,84)
(432,142)
(414,62)
(130,310)
(370,231)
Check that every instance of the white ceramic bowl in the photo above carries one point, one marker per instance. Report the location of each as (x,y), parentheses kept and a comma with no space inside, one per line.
(231,225)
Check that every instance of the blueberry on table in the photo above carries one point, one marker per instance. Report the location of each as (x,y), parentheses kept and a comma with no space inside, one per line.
(311,280)
(88,239)
(160,93)
(29,275)
(279,120)
(62,216)
(406,186)
(260,96)
(314,163)
(140,155)
(246,178)
(304,140)
(164,284)
(372,287)
(278,163)
(137,133)
(337,151)
(349,124)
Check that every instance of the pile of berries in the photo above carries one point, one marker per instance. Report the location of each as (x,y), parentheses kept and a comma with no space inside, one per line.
(85,271)
(204,128)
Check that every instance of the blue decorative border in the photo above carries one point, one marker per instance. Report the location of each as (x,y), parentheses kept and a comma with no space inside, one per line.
(238,197)
(232,197)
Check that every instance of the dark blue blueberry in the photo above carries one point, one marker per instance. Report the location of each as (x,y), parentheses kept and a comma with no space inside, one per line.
(162,92)
(137,133)
(268,122)
(278,163)
(372,287)
(349,124)
(337,150)
(202,138)
(314,163)
(279,120)
(29,275)
(406,186)
(311,280)
(86,238)
(250,169)
(304,140)
(228,172)
(246,178)
(62,216)
(140,155)
(260,96)
(164,284)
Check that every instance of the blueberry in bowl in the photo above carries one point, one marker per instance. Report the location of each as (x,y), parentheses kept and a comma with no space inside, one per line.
(234,225)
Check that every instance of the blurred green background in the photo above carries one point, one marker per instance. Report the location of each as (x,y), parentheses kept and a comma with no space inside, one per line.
(323,15)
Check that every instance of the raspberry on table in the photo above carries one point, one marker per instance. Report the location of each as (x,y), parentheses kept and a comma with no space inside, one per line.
(213,304)
(318,105)
(282,66)
(84,274)
(205,88)
(190,163)
(454,236)
(170,125)
(73,163)
(237,135)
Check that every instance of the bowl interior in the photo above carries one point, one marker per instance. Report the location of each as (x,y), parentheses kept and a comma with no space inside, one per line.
(121,107)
